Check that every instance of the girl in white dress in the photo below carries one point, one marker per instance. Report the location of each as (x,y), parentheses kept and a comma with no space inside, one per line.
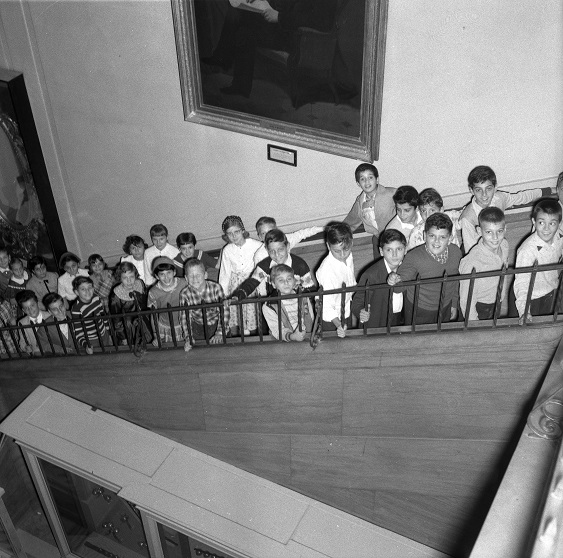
(237,264)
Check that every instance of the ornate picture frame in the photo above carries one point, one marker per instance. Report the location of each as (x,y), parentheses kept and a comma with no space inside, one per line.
(319,88)
(29,221)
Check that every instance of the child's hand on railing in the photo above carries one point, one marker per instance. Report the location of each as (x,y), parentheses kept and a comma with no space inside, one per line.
(216,339)
(453,314)
(365,314)
(89,350)
(393,278)
(341,331)
(187,346)
(528,319)
(297,335)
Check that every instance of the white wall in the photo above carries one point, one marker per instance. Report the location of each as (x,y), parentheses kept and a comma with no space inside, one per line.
(466,83)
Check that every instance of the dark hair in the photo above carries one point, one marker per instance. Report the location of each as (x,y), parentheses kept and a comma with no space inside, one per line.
(163,267)
(14,260)
(481,174)
(406,194)
(193,262)
(275,235)
(559,181)
(439,221)
(80,280)
(265,221)
(158,229)
(391,235)
(49,298)
(24,296)
(278,270)
(185,238)
(93,258)
(123,267)
(491,215)
(430,195)
(35,261)
(363,167)
(133,240)
(339,232)
(547,205)
(68,257)
(5,249)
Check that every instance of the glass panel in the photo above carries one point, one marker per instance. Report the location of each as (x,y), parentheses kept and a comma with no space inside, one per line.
(96,521)
(20,497)
(178,545)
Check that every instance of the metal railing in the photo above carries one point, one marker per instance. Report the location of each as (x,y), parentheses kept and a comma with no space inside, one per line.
(48,338)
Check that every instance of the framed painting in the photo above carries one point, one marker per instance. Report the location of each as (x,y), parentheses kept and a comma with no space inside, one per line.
(29,222)
(307,73)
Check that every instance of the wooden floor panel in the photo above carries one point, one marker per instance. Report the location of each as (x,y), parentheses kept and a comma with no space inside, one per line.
(409,432)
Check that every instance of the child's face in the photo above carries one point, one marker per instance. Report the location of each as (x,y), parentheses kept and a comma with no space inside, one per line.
(97,266)
(406,212)
(196,277)
(546,226)
(4,259)
(492,234)
(263,229)
(428,209)
(285,282)
(159,241)
(17,270)
(128,280)
(235,235)
(437,240)
(85,292)
(393,253)
(31,308)
(278,252)
(187,250)
(484,192)
(340,251)
(137,251)
(71,267)
(166,277)
(40,271)
(368,183)
(58,310)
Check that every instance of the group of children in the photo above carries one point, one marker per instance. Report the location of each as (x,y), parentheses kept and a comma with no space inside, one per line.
(413,238)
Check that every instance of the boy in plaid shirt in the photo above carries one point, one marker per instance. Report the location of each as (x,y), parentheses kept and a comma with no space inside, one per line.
(201,291)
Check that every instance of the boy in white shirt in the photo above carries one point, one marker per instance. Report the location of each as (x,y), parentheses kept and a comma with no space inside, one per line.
(337,268)
(160,247)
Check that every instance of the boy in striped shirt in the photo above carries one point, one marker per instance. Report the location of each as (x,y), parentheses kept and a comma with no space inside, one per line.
(89,333)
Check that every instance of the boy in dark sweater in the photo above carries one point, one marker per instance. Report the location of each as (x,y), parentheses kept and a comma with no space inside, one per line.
(277,245)
(432,259)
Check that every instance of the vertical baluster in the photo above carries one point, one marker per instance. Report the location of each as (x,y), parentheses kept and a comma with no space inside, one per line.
(3,324)
(171,322)
(367,298)
(279,305)
(41,351)
(259,320)
(189,332)
(156,317)
(97,326)
(47,333)
(240,320)
(441,301)
(222,318)
(469,298)
(343,307)
(111,326)
(299,310)
(205,325)
(415,303)
(61,337)
(530,291)
(498,298)
(558,296)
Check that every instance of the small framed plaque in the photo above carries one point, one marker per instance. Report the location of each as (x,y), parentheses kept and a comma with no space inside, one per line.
(282,155)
